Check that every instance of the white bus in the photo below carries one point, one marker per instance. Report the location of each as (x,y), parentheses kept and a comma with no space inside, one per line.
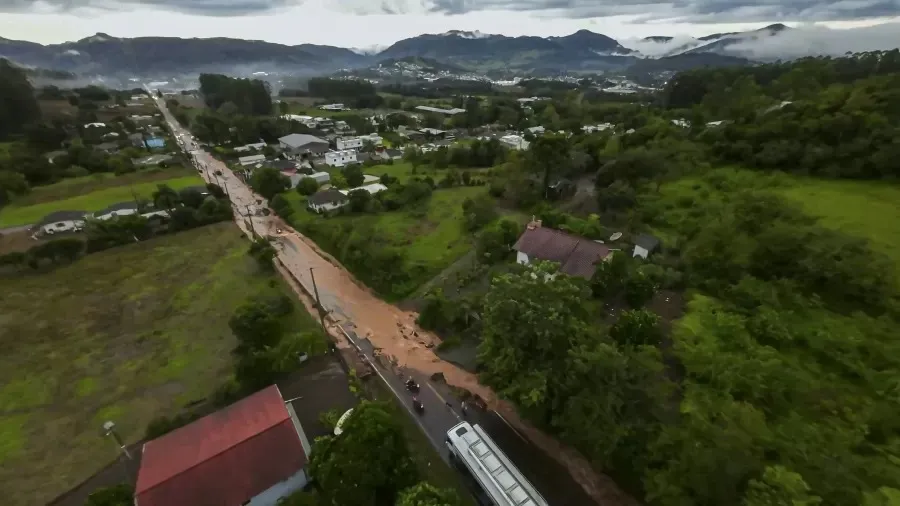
(474,451)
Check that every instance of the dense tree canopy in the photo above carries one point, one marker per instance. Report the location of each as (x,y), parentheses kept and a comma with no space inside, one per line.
(18,105)
(245,96)
(368,464)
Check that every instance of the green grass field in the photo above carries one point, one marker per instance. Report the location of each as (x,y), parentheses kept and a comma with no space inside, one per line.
(127,334)
(404,171)
(866,209)
(433,241)
(101,193)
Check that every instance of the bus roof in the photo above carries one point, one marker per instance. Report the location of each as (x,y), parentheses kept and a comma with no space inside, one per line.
(490,466)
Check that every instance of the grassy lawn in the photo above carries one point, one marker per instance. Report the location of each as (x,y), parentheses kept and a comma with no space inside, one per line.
(866,209)
(127,334)
(432,241)
(114,190)
(404,170)
(77,186)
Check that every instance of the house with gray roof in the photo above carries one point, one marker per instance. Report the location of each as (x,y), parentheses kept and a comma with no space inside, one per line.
(297,144)
(576,256)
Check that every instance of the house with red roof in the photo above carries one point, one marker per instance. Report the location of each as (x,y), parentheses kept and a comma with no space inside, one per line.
(252,452)
(576,256)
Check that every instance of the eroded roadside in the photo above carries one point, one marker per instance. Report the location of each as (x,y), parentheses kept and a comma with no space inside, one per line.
(390,329)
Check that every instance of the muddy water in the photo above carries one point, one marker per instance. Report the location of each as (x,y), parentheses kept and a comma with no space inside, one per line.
(392,330)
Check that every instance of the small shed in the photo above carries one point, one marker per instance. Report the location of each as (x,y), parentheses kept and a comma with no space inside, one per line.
(644,245)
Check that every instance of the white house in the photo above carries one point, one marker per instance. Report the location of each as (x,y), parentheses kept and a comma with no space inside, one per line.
(327,200)
(513,141)
(371,188)
(345,143)
(251,160)
(644,245)
(95,125)
(600,127)
(537,130)
(373,138)
(320,177)
(340,158)
(247,147)
(681,122)
(116,210)
(62,221)
(438,110)
(253,453)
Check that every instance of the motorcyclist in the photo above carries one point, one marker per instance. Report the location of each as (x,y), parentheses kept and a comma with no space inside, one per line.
(418,405)
(411,383)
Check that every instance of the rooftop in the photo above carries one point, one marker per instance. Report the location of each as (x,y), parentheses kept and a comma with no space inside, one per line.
(577,256)
(62,216)
(223,458)
(327,196)
(439,110)
(299,140)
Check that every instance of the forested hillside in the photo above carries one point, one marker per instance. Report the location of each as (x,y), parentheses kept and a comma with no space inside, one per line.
(778,385)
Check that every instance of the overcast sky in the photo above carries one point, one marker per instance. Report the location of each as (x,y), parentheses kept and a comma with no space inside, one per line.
(367,23)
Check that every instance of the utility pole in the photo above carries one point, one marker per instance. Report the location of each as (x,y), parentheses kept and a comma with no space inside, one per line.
(250,218)
(320,308)
(110,428)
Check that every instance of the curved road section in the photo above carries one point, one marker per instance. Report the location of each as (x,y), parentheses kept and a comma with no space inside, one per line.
(389,339)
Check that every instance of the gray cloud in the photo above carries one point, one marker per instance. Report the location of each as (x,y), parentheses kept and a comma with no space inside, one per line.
(696,11)
(201,7)
(804,40)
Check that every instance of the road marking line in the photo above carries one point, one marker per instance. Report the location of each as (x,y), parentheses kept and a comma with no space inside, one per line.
(439,396)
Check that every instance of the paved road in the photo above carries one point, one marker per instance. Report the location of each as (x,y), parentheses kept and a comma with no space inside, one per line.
(362,316)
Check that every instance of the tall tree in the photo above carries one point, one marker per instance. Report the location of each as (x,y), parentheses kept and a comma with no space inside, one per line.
(426,494)
(532,319)
(368,464)
(18,105)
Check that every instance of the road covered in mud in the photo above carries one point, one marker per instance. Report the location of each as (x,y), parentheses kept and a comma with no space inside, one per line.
(390,337)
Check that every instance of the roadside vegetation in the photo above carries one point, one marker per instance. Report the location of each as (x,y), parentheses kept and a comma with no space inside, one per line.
(122,335)
(115,191)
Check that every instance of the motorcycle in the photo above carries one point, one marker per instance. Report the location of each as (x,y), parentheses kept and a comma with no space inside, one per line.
(418,406)
(411,385)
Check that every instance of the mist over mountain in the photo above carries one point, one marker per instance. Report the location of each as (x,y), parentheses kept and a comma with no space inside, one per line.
(474,51)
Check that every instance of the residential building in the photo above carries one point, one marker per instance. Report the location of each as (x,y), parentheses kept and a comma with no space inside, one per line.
(373,138)
(589,129)
(321,177)
(255,146)
(371,188)
(296,144)
(340,158)
(644,245)
(327,200)
(253,452)
(434,132)
(281,164)
(245,161)
(107,147)
(137,140)
(681,122)
(345,143)
(155,142)
(576,256)
(116,210)
(95,125)
(514,141)
(537,130)
(332,107)
(438,110)
(62,221)
(369,179)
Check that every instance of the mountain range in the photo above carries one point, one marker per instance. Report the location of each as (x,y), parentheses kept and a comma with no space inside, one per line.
(102,54)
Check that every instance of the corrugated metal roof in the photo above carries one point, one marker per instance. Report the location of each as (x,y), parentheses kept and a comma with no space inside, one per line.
(223,458)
